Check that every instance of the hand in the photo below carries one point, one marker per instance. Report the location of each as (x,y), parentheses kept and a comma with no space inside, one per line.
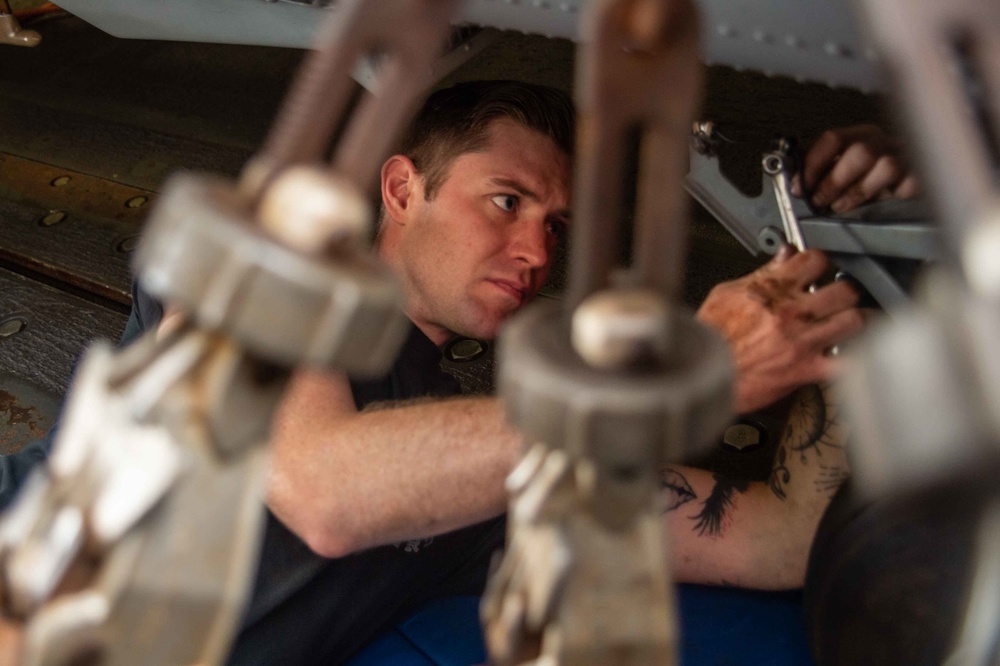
(11,641)
(778,331)
(849,166)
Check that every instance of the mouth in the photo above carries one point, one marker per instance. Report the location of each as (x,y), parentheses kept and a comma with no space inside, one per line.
(515,290)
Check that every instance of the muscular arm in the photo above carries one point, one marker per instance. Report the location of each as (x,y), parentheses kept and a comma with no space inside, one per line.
(345,481)
(758,535)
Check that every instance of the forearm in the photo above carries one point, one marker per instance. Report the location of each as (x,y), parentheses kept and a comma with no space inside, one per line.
(345,481)
(758,535)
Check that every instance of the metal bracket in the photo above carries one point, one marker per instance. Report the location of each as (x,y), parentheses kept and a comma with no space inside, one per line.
(852,241)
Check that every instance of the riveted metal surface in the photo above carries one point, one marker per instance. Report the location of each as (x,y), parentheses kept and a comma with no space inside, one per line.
(32,182)
(816,41)
(67,225)
(58,327)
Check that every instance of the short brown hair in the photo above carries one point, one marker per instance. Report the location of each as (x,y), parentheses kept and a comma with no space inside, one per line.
(455,120)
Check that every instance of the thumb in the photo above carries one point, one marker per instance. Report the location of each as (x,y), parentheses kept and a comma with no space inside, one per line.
(784,253)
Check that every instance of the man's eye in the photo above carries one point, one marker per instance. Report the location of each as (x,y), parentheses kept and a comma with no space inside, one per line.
(507,202)
(557,228)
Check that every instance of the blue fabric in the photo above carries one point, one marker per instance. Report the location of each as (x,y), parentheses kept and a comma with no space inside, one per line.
(719,627)
(722,626)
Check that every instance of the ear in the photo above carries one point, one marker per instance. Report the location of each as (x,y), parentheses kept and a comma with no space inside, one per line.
(401,184)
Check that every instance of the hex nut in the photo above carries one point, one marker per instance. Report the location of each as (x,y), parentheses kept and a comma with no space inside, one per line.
(741,436)
(12,326)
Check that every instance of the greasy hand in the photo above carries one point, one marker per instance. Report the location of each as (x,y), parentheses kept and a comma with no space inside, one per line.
(849,166)
(779,332)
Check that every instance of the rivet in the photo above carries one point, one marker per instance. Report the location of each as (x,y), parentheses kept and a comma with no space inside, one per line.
(127,244)
(60,181)
(725,31)
(136,202)
(53,217)
(741,437)
(837,50)
(761,37)
(12,327)
(794,42)
(466,350)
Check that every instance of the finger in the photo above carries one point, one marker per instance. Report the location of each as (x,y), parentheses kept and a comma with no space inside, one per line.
(823,369)
(821,156)
(829,146)
(835,329)
(908,188)
(831,299)
(852,166)
(796,186)
(801,269)
(785,252)
(884,175)
(172,320)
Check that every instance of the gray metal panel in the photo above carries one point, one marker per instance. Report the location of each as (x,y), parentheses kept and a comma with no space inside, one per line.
(812,41)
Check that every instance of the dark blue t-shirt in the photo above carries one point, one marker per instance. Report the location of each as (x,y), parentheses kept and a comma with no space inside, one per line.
(306,609)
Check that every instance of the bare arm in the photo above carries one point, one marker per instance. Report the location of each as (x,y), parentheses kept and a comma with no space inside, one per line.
(345,481)
(758,535)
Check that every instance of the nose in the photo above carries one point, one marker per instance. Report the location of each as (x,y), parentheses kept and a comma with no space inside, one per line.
(530,243)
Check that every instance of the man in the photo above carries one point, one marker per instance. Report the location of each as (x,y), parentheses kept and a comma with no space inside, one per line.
(470,226)
(376,509)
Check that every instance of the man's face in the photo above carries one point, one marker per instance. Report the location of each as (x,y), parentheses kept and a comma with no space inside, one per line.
(482,246)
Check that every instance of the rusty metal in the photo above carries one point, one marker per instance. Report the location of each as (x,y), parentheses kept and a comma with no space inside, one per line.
(55,188)
(26,412)
(411,34)
(623,86)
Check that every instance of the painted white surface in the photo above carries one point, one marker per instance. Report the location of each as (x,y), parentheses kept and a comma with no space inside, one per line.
(810,40)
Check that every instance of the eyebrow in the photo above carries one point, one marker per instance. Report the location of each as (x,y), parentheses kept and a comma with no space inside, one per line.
(518,187)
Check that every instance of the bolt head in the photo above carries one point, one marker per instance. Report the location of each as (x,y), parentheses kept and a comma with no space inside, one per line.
(463,351)
(127,244)
(615,329)
(741,436)
(308,208)
(11,327)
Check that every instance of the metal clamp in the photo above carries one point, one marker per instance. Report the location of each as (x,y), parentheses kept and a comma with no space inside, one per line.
(854,242)
(139,544)
(616,382)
